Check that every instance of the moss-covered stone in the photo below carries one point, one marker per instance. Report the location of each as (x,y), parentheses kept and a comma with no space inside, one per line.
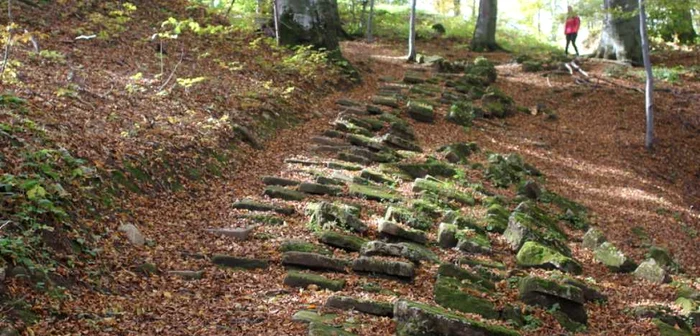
(536,255)
(283,193)
(396,269)
(385,101)
(420,111)
(432,168)
(350,243)
(298,245)
(528,222)
(400,143)
(374,193)
(505,170)
(237,262)
(547,293)
(458,152)
(447,235)
(343,166)
(417,319)
(279,181)
(263,219)
(482,263)
(377,308)
(567,323)
(471,241)
(395,231)
(249,204)
(442,189)
(304,280)
(531,66)
(324,216)
(313,261)
(497,218)
(448,292)
(593,238)
(651,271)
(311,316)
(319,189)
(613,258)
(454,271)
(666,329)
(376,176)
(663,258)
(410,218)
(412,252)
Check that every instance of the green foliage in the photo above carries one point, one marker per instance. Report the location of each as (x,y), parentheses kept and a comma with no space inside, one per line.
(110,25)
(509,169)
(175,27)
(35,196)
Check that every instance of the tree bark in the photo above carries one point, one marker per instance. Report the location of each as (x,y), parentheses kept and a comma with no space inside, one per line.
(369,21)
(412,34)
(621,39)
(649,138)
(485,32)
(458,8)
(314,22)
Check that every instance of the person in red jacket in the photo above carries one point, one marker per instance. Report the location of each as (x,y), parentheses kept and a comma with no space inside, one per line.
(573,22)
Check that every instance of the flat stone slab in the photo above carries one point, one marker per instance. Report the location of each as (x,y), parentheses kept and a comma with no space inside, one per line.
(237,233)
(414,319)
(547,293)
(237,262)
(365,306)
(319,189)
(395,230)
(283,193)
(412,252)
(383,267)
(347,242)
(279,181)
(249,204)
(304,280)
(313,261)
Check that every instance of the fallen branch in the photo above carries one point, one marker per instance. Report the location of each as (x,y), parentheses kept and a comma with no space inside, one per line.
(182,55)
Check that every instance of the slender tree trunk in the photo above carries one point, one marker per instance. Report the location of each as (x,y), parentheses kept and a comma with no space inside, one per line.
(369,21)
(485,32)
(649,139)
(621,39)
(363,15)
(412,34)
(276,17)
(458,8)
(686,32)
(474,6)
(258,6)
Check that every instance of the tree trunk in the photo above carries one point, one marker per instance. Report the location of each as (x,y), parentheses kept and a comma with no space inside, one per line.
(485,32)
(649,138)
(458,8)
(314,22)
(473,10)
(620,39)
(369,21)
(412,34)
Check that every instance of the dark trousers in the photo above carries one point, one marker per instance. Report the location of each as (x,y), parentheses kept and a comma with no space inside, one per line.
(571,38)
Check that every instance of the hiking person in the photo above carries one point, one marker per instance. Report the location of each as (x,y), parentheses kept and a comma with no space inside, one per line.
(573,22)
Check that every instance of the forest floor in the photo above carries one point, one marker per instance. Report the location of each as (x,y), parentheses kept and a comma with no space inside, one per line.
(589,148)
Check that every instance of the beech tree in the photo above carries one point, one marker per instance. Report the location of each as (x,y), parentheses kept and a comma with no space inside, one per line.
(649,138)
(369,21)
(412,34)
(485,31)
(620,39)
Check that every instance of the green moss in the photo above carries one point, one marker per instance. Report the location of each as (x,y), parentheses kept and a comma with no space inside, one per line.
(374,193)
(443,189)
(567,323)
(264,219)
(346,242)
(303,280)
(320,329)
(533,254)
(669,330)
(414,220)
(453,271)
(613,258)
(120,178)
(487,329)
(303,246)
(310,316)
(448,293)
(430,167)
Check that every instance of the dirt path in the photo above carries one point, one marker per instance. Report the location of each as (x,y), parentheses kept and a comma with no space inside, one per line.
(577,164)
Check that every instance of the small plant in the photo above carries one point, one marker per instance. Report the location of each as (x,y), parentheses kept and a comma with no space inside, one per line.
(114,23)
(52,56)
